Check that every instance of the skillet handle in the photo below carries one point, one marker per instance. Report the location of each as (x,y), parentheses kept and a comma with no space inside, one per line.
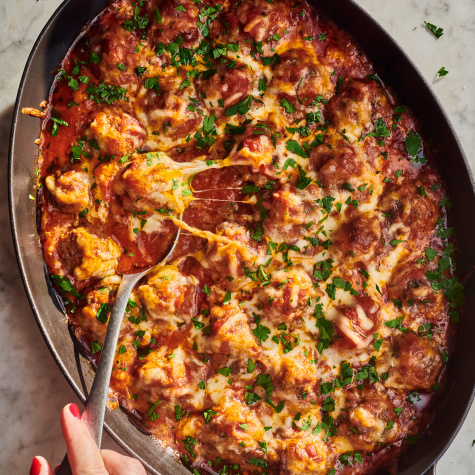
(431,470)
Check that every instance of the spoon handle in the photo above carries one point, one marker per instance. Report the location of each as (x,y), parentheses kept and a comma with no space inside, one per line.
(95,408)
(93,415)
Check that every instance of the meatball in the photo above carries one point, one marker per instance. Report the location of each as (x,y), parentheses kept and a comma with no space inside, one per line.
(166,110)
(342,54)
(269,26)
(88,253)
(305,455)
(361,235)
(175,23)
(357,323)
(338,165)
(168,294)
(418,363)
(70,189)
(359,104)
(406,205)
(300,69)
(229,85)
(162,375)
(231,417)
(409,282)
(296,373)
(261,20)
(257,152)
(116,132)
(290,211)
(369,411)
(288,294)
(154,180)
(148,182)
(115,45)
(231,334)
(97,303)
(365,419)
(235,251)
(410,286)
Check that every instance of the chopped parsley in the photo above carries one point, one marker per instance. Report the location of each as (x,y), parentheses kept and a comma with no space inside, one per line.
(435,30)
(105,93)
(442,72)
(289,108)
(242,107)
(413,143)
(261,332)
(65,284)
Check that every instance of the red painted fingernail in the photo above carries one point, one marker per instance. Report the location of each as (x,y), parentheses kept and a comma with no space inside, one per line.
(35,467)
(75,411)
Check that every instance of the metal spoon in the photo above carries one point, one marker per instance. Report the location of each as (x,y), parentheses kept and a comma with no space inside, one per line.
(95,407)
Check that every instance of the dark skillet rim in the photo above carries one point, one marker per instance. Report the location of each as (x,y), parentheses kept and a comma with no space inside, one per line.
(21,264)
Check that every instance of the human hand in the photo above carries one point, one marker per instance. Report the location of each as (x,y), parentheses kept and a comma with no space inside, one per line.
(84,456)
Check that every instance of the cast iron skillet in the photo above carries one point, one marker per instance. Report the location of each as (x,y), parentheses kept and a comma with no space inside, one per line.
(393,66)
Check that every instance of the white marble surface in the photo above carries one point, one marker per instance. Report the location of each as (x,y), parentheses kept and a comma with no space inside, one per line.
(32,389)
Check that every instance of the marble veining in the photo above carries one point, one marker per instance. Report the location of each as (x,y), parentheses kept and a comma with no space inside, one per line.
(32,388)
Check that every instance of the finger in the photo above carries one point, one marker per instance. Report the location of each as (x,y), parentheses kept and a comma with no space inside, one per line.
(83,454)
(55,470)
(39,466)
(117,464)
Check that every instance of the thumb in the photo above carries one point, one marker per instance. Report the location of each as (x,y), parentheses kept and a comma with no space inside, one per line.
(83,453)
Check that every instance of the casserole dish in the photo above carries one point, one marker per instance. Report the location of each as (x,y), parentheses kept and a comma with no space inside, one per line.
(410,101)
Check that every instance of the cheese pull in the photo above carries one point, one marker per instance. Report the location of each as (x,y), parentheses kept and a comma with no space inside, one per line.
(153,180)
